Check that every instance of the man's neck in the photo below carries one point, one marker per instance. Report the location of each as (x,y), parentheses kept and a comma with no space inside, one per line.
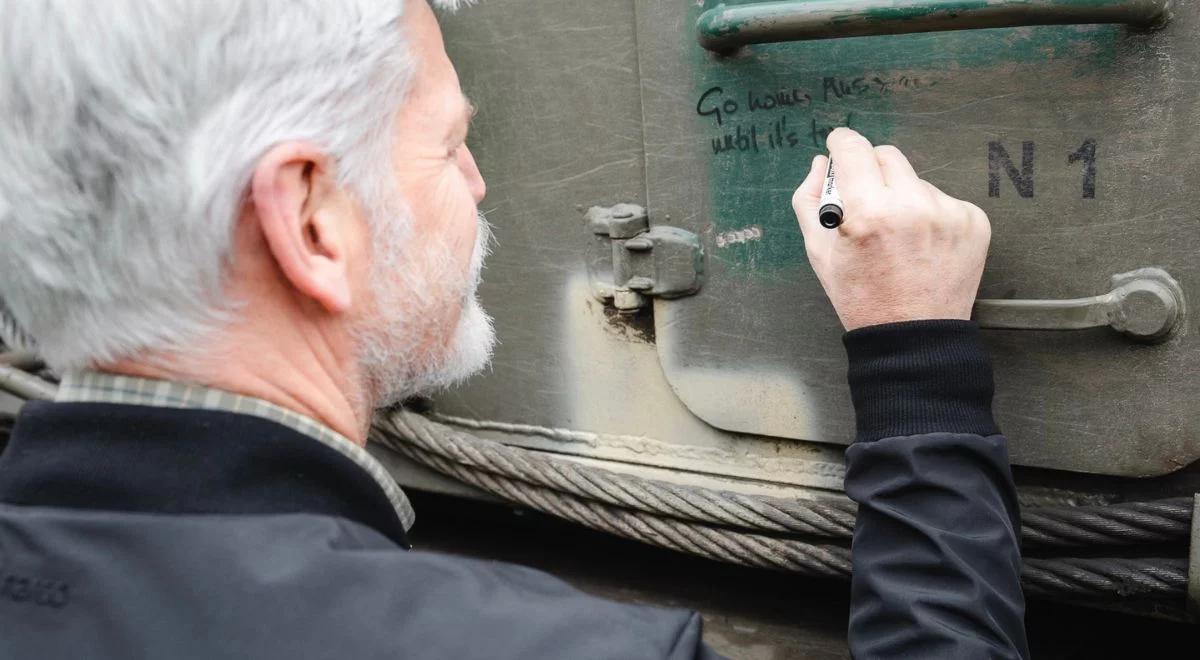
(307,381)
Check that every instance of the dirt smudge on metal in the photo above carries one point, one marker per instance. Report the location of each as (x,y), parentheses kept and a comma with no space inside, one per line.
(638,326)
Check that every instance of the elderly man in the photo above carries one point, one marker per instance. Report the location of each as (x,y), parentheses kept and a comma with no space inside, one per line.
(237,227)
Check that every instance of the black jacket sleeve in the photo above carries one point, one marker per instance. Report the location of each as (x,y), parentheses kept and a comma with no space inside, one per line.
(935,551)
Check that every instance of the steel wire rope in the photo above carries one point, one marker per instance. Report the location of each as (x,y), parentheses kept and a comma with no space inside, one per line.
(1159,521)
(1062,578)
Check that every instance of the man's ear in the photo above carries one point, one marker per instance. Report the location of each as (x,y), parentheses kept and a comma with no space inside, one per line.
(304,222)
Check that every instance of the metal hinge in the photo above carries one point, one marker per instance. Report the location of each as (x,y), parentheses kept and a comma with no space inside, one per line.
(629,261)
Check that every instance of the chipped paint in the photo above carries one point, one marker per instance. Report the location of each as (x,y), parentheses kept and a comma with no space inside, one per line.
(736,236)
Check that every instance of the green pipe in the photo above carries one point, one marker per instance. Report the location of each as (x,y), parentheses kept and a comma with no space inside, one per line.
(725,28)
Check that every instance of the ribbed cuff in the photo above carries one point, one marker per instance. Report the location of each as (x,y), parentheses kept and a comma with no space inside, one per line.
(920,377)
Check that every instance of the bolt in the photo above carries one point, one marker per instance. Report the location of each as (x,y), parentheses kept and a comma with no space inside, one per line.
(640,283)
(628,300)
(1148,313)
(639,244)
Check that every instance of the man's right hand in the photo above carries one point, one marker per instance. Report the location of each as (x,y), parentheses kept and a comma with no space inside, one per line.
(906,251)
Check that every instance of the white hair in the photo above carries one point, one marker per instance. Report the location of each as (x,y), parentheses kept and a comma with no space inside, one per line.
(129,131)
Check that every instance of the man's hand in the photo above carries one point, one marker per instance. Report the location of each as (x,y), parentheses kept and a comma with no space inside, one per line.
(906,251)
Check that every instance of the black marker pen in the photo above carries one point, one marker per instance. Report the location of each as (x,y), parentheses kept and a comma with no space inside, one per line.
(830,213)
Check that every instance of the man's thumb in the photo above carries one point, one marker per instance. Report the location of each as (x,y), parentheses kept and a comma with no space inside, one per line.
(808,196)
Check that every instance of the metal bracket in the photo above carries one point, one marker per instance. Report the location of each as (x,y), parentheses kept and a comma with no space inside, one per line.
(630,261)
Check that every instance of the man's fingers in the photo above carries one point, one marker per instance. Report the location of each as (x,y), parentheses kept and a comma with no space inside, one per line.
(897,171)
(859,176)
(808,195)
(805,201)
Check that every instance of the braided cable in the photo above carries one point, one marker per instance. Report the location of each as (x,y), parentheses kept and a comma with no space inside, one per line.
(1160,521)
(25,385)
(1062,578)
(1129,523)
(830,517)
(711,542)
(12,334)
(1112,577)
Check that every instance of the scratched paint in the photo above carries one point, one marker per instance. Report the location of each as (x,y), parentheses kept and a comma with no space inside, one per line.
(738,236)
(777,102)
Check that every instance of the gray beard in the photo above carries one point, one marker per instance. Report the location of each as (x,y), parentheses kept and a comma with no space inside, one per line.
(401,351)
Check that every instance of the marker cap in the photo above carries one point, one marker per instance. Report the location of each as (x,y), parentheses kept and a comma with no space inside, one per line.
(830,216)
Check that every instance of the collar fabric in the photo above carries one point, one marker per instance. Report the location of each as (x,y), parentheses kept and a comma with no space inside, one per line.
(97,387)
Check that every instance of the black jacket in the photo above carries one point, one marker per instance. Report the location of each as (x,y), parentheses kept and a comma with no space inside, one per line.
(128,531)
(935,553)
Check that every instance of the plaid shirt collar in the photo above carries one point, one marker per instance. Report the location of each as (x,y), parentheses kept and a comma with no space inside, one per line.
(96,387)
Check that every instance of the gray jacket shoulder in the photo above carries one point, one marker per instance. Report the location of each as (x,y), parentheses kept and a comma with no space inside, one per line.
(296,586)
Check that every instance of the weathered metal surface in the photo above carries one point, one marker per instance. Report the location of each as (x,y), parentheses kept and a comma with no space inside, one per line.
(727,27)
(1078,141)
(559,130)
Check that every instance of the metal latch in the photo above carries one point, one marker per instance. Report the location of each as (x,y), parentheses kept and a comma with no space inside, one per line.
(629,261)
(1146,305)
